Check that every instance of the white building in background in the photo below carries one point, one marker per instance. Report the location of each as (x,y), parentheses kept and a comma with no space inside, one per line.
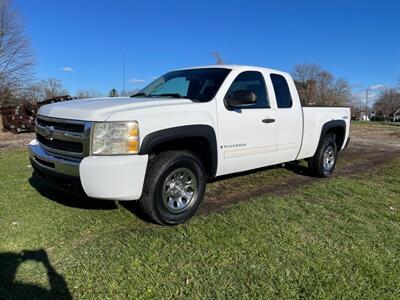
(361,116)
(395,116)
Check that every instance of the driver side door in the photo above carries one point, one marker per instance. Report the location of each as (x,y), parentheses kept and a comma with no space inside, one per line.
(248,133)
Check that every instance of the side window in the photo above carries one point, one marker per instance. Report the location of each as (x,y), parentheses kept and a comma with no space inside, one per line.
(252,81)
(282,92)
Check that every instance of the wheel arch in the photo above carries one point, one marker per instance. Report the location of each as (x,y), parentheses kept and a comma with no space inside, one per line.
(338,129)
(200,139)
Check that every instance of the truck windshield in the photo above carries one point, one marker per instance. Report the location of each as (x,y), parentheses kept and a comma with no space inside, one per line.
(195,84)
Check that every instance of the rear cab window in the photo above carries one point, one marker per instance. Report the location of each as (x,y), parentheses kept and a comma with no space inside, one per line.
(282,92)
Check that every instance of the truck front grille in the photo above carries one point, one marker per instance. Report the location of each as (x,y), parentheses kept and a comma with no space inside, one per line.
(62,126)
(62,137)
(61,145)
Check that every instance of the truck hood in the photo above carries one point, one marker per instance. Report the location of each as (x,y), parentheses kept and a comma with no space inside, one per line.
(99,109)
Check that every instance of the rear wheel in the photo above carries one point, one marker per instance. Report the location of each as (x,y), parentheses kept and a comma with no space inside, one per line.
(174,187)
(323,162)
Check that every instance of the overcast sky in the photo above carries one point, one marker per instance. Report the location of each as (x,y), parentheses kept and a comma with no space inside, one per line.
(81,42)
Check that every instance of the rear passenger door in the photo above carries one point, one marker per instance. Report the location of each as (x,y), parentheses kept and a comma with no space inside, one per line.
(289,119)
(247,134)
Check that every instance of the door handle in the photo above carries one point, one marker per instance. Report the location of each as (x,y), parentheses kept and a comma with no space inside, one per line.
(268,120)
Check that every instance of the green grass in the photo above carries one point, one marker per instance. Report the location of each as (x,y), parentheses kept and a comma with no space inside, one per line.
(375,123)
(334,239)
(391,123)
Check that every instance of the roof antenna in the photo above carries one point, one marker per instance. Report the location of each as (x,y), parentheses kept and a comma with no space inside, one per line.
(123,72)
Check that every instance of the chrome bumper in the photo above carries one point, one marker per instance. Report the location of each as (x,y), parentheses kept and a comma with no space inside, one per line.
(44,160)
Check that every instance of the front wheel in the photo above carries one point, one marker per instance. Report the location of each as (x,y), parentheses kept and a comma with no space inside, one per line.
(323,162)
(174,187)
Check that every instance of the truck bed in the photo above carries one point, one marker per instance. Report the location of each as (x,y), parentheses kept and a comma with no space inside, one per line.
(313,119)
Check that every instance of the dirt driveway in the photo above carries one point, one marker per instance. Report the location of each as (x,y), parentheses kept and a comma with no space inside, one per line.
(9,140)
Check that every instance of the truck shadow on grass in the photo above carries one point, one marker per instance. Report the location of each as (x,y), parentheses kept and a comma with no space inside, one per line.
(294,167)
(299,169)
(12,289)
(67,198)
(81,201)
(213,205)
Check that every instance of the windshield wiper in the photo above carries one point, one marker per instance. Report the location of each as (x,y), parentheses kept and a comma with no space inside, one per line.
(172,95)
(141,94)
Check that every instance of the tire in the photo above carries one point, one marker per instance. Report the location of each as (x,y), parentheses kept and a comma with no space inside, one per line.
(174,187)
(323,162)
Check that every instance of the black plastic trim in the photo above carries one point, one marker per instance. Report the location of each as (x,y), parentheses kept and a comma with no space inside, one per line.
(156,138)
(333,124)
(66,183)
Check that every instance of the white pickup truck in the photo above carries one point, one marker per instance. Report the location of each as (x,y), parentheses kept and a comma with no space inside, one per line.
(161,145)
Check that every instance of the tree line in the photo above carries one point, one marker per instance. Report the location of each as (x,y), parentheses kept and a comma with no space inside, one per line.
(317,86)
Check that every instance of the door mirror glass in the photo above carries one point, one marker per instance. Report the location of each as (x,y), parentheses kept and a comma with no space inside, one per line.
(241,98)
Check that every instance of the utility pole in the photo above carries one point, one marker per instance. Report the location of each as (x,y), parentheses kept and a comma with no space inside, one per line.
(123,72)
(366,100)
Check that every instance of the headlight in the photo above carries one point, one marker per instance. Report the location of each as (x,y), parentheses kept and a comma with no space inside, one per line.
(112,138)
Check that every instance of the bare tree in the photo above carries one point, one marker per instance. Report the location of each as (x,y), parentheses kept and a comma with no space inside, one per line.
(356,106)
(305,76)
(218,58)
(341,92)
(84,94)
(33,93)
(39,91)
(319,87)
(16,60)
(387,103)
(306,72)
(52,88)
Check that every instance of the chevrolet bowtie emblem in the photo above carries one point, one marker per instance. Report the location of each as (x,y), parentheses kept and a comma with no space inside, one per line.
(48,132)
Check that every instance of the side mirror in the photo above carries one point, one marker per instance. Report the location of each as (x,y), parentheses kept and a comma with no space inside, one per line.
(241,98)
